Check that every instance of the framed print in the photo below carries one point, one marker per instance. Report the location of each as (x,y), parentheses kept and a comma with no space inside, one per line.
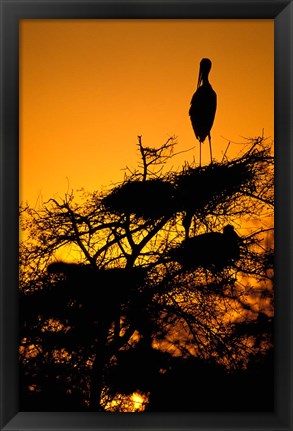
(146,233)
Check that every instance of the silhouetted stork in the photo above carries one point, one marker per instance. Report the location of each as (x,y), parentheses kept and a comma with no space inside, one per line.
(209,250)
(203,106)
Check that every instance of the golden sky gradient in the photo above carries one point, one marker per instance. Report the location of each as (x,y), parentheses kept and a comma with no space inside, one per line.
(89,87)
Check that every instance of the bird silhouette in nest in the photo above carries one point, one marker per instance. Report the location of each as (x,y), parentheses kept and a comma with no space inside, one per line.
(212,250)
(203,106)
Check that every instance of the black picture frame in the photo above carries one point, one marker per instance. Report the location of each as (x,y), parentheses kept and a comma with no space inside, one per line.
(11,12)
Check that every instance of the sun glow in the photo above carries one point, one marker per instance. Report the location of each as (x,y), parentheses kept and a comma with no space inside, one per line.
(135,402)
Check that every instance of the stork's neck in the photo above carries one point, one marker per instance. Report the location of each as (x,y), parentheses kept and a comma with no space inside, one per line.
(204,70)
(205,79)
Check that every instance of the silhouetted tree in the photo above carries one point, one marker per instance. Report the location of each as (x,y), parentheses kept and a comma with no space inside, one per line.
(160,286)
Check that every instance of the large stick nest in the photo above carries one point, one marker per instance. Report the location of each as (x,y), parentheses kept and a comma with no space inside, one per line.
(150,199)
(199,190)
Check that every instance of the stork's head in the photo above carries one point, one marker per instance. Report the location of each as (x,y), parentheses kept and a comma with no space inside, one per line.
(204,70)
(228,228)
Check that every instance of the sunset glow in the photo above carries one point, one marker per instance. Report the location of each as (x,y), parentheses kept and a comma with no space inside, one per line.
(89,87)
(146,269)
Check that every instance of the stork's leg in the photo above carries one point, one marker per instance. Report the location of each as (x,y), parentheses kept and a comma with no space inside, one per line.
(186,222)
(210,142)
(199,153)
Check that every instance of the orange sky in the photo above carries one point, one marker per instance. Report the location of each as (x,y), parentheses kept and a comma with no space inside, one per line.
(89,87)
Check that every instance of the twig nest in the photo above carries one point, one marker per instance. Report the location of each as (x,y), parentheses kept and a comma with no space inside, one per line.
(100,292)
(150,199)
(196,188)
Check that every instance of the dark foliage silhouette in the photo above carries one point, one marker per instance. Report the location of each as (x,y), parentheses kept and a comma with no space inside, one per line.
(162,295)
(203,106)
(203,386)
(137,369)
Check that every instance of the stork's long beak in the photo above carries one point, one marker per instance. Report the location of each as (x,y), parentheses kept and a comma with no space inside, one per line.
(199,76)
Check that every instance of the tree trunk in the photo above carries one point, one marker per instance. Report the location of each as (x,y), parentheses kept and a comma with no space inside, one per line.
(98,369)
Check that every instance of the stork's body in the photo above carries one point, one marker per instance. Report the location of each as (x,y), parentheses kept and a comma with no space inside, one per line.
(209,250)
(203,106)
